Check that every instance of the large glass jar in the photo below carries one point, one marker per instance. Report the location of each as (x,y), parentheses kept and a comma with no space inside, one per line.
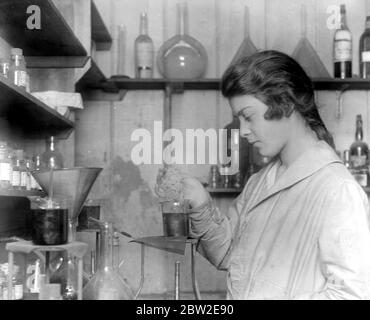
(182,56)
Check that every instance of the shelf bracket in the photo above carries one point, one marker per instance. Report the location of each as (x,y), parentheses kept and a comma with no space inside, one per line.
(176,87)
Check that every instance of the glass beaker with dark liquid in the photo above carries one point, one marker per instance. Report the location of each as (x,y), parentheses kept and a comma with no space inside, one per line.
(49,220)
(175,219)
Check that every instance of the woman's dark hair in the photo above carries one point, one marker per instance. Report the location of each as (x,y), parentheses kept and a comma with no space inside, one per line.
(278,81)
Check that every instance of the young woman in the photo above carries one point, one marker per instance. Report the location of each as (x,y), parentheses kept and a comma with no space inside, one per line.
(299,229)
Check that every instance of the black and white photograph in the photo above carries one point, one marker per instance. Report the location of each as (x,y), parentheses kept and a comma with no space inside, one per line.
(199,152)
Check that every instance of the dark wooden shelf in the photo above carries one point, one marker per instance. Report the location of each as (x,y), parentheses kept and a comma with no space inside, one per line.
(341,84)
(123,82)
(55,38)
(32,116)
(94,78)
(99,31)
(20,193)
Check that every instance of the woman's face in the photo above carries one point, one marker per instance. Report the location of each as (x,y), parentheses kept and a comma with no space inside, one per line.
(268,136)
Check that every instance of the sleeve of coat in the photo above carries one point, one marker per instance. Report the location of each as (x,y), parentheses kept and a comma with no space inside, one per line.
(215,230)
(344,245)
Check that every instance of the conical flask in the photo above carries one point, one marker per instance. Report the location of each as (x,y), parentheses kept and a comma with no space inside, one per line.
(182,56)
(306,55)
(246,48)
(106,283)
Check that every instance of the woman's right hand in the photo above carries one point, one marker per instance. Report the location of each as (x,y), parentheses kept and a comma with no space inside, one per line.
(194,191)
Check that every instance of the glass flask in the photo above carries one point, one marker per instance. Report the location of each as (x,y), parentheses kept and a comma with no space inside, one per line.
(182,56)
(106,283)
(67,276)
(51,158)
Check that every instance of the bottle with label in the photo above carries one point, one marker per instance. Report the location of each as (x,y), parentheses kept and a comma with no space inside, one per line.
(17,283)
(144,51)
(51,158)
(17,68)
(343,48)
(5,166)
(364,52)
(359,155)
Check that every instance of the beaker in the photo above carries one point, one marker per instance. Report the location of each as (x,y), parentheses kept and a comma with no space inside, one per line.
(49,220)
(106,283)
(175,218)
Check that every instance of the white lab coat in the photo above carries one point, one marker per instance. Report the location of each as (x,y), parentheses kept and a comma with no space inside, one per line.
(304,236)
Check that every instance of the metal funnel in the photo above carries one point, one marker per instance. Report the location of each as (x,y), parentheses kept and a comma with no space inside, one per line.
(72,182)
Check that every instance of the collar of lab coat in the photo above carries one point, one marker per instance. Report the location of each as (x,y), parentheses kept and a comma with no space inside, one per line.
(309,162)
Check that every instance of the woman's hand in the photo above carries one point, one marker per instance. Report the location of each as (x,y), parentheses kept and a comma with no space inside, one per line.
(194,192)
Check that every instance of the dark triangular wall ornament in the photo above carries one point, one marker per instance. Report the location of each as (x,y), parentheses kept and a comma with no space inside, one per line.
(306,55)
(247,47)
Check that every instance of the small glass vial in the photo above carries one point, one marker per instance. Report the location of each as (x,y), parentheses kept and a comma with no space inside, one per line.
(214,177)
(5,166)
(28,173)
(237,180)
(17,68)
(17,284)
(34,184)
(226,178)
(16,173)
(37,161)
(3,284)
(4,67)
(22,169)
(346,159)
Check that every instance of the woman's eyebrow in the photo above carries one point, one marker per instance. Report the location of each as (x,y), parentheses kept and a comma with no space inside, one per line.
(241,111)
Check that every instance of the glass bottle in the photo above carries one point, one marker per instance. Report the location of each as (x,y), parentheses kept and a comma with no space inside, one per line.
(214,177)
(343,48)
(106,283)
(364,52)
(38,167)
(51,158)
(29,169)
(182,56)
(3,284)
(144,51)
(22,169)
(359,155)
(16,173)
(5,166)
(4,67)
(17,68)
(346,159)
